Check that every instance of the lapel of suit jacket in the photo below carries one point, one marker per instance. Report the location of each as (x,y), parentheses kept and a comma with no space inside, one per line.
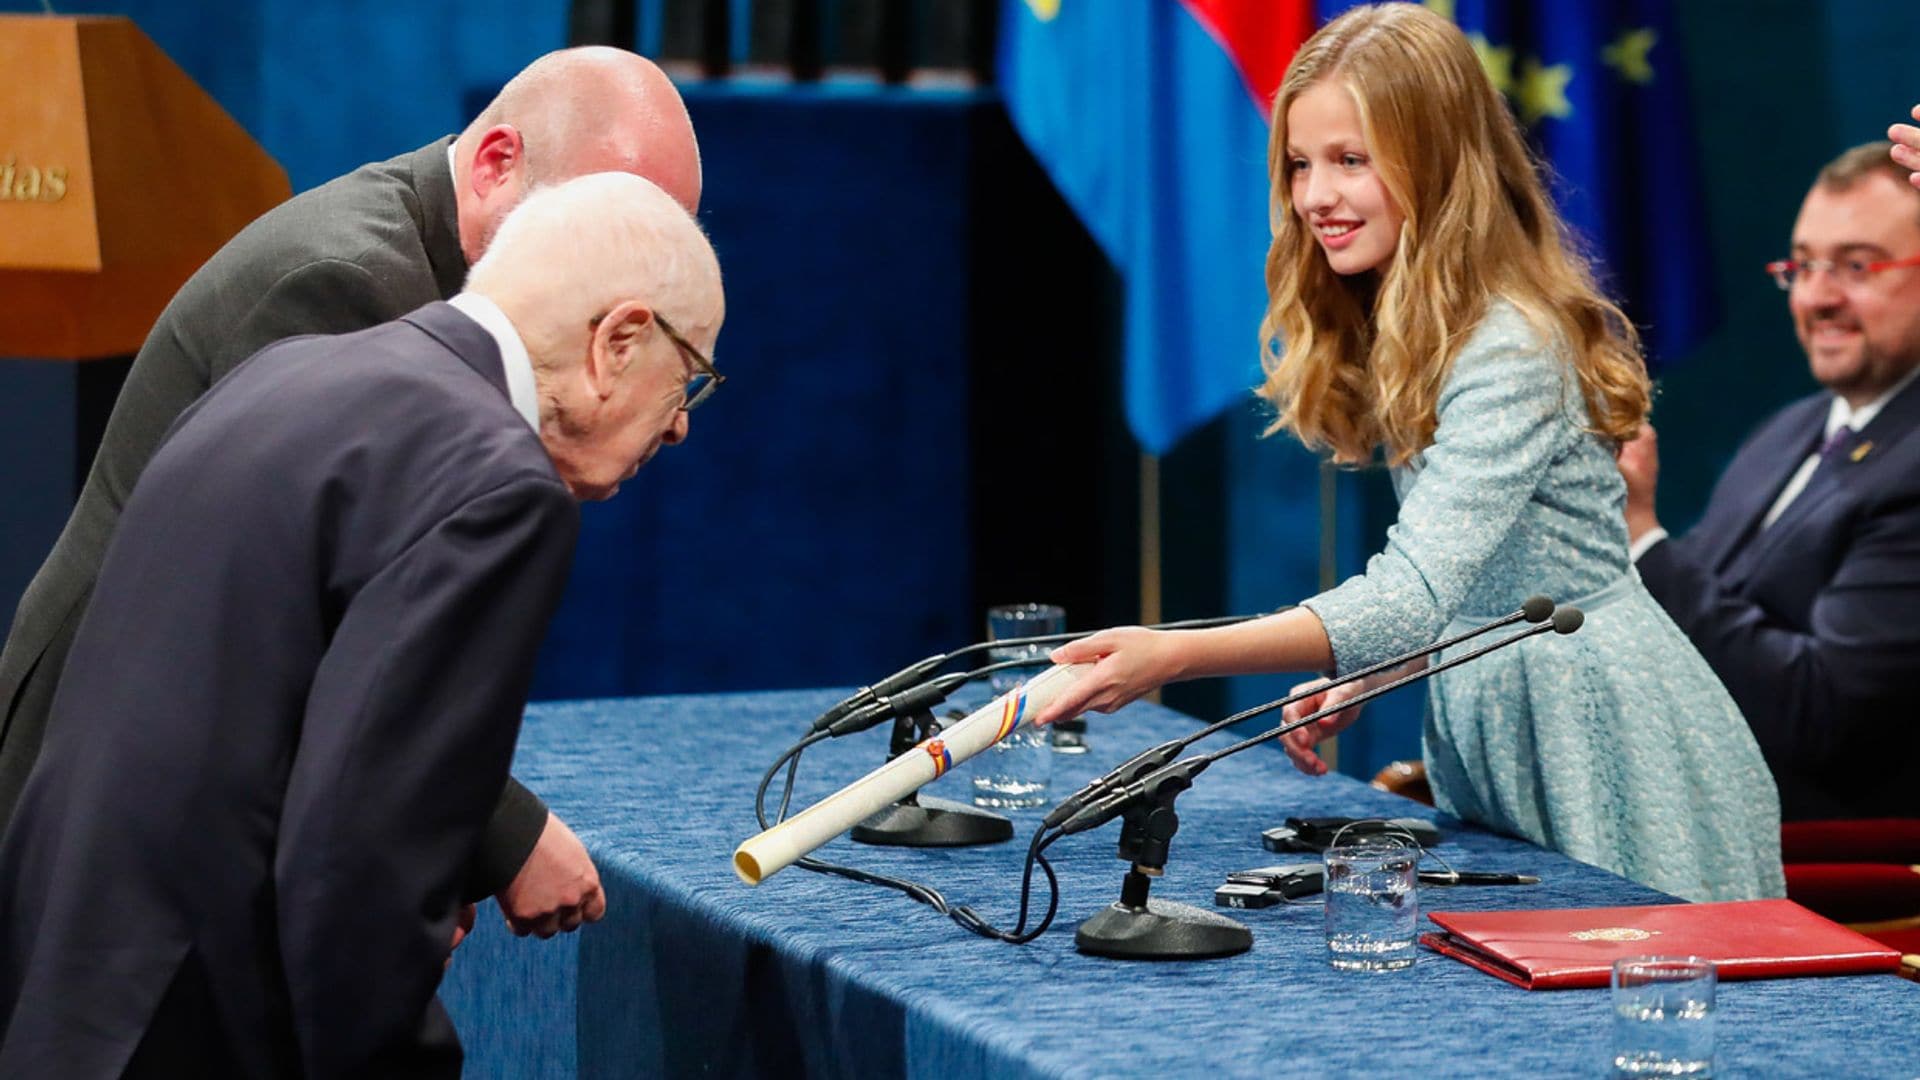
(433,184)
(1771,462)
(1894,421)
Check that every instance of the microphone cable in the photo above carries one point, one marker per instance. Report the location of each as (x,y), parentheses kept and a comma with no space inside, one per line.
(964,915)
(926,894)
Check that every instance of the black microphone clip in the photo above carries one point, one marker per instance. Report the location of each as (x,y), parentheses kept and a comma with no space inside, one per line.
(1157,789)
(892,706)
(900,680)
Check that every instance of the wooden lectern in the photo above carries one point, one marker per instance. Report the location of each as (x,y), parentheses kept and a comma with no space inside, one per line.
(118,178)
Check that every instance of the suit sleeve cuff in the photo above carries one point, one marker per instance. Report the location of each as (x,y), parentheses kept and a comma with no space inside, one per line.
(1645,543)
(515,827)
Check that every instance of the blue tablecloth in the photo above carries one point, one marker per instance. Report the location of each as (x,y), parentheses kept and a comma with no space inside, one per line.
(694,972)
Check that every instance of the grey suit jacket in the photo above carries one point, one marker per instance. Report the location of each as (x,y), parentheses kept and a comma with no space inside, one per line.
(357,251)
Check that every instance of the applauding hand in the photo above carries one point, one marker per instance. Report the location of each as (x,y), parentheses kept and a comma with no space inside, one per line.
(1906,146)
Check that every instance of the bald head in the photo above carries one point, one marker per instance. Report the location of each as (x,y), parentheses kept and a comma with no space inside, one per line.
(571,113)
(588,271)
(573,250)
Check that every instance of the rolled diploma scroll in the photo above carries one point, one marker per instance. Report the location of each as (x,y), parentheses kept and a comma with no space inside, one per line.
(762,856)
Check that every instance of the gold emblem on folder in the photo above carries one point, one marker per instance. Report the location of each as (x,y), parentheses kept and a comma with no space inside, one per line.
(1613,933)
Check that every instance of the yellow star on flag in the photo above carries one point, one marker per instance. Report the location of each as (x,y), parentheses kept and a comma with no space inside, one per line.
(1628,56)
(1496,59)
(1543,91)
(1044,10)
(1442,8)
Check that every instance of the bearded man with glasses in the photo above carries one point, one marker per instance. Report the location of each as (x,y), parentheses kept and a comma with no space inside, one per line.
(1801,582)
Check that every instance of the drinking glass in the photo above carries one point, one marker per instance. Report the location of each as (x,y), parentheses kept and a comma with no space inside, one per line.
(1663,1016)
(1015,772)
(1372,908)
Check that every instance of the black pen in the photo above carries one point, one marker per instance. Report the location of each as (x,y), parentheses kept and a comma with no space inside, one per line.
(1454,877)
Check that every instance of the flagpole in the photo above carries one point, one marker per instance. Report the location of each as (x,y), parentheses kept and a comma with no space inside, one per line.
(1330,566)
(1151,599)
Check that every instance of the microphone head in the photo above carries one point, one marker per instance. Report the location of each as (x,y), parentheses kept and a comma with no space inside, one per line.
(1567,619)
(1537,608)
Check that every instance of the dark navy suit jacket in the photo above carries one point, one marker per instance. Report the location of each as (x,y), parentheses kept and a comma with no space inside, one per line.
(1814,622)
(287,716)
(358,251)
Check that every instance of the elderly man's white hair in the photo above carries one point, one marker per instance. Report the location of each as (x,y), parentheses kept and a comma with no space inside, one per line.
(570,252)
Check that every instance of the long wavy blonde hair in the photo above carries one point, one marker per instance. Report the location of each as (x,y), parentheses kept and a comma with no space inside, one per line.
(1355,363)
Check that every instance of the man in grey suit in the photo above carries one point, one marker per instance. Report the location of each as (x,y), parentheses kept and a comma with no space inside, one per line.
(292,703)
(358,251)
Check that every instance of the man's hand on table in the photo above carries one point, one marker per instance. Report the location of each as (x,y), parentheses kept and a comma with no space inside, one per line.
(557,888)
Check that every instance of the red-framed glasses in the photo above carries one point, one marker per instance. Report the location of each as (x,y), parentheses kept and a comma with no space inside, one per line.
(1847,272)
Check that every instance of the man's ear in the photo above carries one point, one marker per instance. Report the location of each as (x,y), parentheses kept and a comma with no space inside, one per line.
(498,156)
(616,346)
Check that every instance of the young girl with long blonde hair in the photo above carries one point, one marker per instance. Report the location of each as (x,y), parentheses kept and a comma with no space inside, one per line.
(1426,305)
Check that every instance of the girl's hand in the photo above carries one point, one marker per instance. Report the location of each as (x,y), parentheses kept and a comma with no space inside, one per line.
(1300,742)
(1129,661)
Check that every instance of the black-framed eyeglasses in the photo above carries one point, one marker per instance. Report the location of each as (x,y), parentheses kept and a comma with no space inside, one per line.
(705,378)
(1846,272)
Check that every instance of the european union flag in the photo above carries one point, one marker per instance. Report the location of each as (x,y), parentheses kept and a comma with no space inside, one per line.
(1600,86)
(1141,119)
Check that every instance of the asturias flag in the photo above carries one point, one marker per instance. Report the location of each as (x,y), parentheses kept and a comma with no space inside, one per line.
(1600,86)
(1150,116)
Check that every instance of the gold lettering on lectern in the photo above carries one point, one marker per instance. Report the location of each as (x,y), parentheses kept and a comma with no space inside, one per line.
(28,183)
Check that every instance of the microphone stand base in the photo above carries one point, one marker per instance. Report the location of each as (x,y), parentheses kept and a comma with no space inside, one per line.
(1161,931)
(930,822)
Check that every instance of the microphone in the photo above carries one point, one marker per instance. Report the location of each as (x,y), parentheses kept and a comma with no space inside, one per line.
(1534,609)
(892,684)
(1565,620)
(886,707)
(908,677)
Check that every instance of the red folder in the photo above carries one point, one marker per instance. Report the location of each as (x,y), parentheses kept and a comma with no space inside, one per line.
(1570,948)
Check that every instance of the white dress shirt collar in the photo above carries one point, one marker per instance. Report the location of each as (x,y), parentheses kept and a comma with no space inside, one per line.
(1839,412)
(521,389)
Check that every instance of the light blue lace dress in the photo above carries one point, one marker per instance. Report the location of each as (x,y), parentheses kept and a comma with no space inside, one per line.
(1617,744)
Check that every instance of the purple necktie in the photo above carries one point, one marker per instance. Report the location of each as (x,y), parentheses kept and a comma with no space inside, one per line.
(1838,444)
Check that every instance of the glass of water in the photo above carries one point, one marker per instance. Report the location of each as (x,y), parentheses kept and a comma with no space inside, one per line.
(1372,909)
(1663,1016)
(1014,772)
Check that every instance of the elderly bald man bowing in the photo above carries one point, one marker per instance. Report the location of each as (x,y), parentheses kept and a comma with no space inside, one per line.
(363,249)
(292,703)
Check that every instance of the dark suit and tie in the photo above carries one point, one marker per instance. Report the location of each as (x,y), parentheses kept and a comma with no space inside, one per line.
(1813,619)
(288,714)
(289,709)
(1800,583)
